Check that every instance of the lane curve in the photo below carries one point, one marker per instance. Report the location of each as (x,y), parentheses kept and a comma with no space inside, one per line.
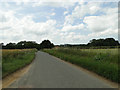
(49,72)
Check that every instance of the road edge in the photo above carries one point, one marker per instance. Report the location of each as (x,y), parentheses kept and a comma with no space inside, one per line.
(9,79)
(113,84)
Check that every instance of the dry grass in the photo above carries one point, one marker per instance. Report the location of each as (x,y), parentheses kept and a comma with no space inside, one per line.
(15,59)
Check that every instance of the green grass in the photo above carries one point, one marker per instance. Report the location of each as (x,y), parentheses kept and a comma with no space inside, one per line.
(104,62)
(12,60)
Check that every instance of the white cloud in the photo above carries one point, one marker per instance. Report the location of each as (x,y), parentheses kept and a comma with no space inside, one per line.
(107,33)
(52,14)
(96,23)
(5,16)
(100,25)
(103,22)
(25,28)
(73,28)
(72,38)
(68,20)
(54,3)
(81,10)
(66,12)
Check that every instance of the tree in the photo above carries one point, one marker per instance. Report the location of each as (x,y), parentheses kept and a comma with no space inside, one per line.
(26,44)
(10,46)
(46,44)
(103,42)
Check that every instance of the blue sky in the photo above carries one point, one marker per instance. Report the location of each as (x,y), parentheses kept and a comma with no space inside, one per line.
(61,22)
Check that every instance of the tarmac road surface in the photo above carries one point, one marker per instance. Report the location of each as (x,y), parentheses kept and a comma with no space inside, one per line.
(49,72)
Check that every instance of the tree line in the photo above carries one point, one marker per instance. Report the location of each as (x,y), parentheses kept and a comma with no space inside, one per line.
(28,45)
(103,42)
(96,43)
(108,42)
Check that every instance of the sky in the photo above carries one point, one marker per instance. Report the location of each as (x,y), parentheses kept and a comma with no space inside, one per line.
(61,22)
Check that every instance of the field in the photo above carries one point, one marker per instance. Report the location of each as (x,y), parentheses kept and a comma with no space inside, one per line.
(15,59)
(104,62)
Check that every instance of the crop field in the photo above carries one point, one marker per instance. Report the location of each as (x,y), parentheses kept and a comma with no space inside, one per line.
(104,62)
(15,59)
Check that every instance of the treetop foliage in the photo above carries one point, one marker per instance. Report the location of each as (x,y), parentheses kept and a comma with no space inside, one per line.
(47,44)
(28,44)
(103,42)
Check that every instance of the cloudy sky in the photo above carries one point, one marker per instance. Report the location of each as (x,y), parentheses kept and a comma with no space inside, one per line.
(60,22)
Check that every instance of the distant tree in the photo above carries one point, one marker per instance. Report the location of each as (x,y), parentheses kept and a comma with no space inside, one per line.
(10,46)
(26,44)
(29,44)
(46,44)
(20,45)
(111,42)
(103,42)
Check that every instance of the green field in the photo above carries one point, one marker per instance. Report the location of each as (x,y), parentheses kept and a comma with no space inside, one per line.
(104,62)
(15,59)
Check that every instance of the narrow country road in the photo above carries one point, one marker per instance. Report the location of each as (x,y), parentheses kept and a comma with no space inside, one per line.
(49,72)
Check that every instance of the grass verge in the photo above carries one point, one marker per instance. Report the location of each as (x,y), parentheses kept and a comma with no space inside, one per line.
(99,61)
(15,59)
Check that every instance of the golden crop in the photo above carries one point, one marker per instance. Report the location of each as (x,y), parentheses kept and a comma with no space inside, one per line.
(6,53)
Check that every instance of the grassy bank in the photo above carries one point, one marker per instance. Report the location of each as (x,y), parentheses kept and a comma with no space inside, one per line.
(15,59)
(101,61)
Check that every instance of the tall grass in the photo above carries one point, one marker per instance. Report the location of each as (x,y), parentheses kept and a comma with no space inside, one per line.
(101,61)
(15,59)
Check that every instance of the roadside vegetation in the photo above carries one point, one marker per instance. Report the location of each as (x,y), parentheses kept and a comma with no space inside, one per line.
(14,59)
(104,62)
(99,55)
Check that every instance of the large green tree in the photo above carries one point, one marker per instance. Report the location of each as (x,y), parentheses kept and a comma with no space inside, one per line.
(46,44)
(10,46)
(26,44)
